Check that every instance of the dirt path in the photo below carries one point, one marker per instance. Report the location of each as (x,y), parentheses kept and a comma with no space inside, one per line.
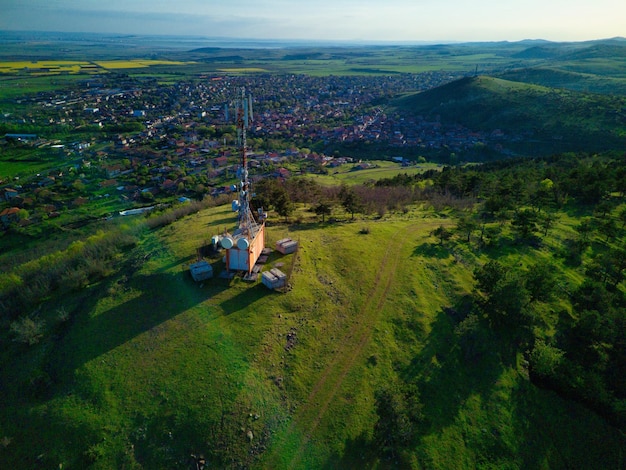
(313,410)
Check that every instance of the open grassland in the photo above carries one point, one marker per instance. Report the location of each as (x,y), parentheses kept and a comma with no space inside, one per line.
(380,169)
(149,367)
(136,63)
(12,87)
(239,70)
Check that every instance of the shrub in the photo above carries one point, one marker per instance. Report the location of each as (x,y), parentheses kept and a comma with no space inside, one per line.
(27,330)
(545,359)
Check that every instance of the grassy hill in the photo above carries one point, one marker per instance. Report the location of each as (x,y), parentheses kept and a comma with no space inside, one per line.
(147,367)
(555,77)
(548,119)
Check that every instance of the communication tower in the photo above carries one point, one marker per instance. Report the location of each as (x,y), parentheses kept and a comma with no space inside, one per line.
(245,245)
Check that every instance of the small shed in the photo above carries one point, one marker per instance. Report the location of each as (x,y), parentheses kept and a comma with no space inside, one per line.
(274,278)
(201,271)
(286,246)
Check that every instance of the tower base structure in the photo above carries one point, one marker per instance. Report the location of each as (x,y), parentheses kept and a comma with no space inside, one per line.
(243,249)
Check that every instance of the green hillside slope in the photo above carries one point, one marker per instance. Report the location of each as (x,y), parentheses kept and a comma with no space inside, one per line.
(555,77)
(546,119)
(148,368)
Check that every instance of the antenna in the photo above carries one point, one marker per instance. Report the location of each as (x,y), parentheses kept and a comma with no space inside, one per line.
(244,118)
(247,242)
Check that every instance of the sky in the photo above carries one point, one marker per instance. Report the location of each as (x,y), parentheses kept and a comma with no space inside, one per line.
(345,20)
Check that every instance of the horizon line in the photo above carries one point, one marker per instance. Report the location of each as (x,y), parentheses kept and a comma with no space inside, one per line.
(309,40)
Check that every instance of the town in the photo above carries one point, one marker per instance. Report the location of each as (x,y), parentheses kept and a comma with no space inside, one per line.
(115,142)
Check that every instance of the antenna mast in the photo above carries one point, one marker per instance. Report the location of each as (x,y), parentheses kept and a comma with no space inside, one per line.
(247,224)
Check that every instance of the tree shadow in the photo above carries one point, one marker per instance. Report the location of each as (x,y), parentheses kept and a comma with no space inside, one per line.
(445,377)
(558,433)
(226,222)
(357,453)
(431,250)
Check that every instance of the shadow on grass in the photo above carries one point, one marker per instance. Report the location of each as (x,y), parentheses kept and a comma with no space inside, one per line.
(249,295)
(431,250)
(446,377)
(358,453)
(162,297)
(558,433)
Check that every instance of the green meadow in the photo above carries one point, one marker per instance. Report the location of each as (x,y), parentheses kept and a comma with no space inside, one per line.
(146,367)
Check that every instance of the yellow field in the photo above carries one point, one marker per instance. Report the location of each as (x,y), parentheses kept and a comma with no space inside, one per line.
(71,66)
(74,66)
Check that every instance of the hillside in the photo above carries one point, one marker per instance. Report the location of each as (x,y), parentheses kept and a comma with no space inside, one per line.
(364,362)
(554,77)
(546,119)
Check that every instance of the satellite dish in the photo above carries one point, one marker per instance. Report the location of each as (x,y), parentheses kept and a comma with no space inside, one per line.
(227,243)
(243,243)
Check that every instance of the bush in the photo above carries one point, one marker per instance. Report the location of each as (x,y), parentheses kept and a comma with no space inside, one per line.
(545,359)
(27,330)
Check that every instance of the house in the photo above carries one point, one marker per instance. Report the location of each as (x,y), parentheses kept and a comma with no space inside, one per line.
(220,161)
(9,215)
(113,170)
(47,181)
(282,173)
(169,185)
(10,193)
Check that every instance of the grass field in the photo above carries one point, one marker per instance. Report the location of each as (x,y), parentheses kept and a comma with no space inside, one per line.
(381,169)
(152,367)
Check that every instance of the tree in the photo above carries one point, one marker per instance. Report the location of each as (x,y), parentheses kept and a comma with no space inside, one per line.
(472,338)
(525,223)
(323,209)
(608,228)
(442,234)
(466,226)
(547,220)
(622,217)
(349,200)
(501,295)
(542,195)
(540,281)
(282,202)
(399,411)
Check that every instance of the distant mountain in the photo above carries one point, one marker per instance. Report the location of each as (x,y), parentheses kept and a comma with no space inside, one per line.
(544,119)
(599,51)
(539,52)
